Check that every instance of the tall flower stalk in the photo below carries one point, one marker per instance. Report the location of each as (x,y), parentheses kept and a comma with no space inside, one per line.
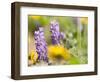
(56,35)
(41,45)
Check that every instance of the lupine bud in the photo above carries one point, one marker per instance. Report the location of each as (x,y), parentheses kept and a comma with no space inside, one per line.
(62,35)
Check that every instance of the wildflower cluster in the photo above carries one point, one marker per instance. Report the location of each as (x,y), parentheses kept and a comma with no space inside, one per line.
(40,43)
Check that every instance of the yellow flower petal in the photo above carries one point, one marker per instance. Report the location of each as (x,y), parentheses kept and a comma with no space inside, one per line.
(33,56)
(55,51)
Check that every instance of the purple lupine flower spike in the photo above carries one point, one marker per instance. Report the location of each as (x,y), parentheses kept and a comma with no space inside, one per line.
(54,28)
(56,36)
(41,46)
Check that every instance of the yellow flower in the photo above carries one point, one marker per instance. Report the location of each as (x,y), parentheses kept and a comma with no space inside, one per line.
(57,53)
(35,17)
(84,20)
(32,57)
